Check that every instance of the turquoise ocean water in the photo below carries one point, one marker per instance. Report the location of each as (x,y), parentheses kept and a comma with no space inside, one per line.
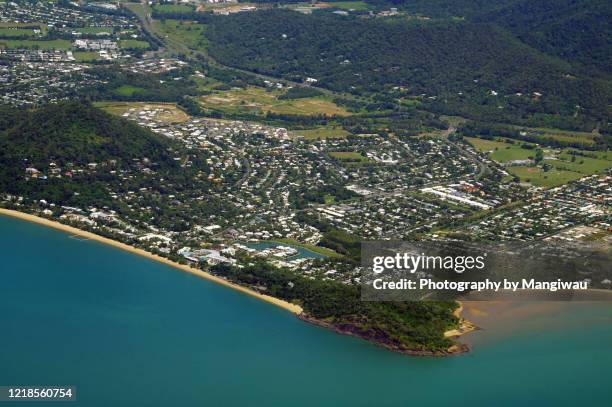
(127,331)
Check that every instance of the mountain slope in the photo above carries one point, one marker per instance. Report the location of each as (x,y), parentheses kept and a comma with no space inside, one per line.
(444,8)
(77,133)
(442,59)
(74,154)
(575,30)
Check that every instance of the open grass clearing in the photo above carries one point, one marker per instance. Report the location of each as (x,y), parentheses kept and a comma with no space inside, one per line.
(322,133)
(348,5)
(36,44)
(254,100)
(133,44)
(348,156)
(17,32)
(173,8)
(94,30)
(545,179)
(86,56)
(127,90)
(12,29)
(565,166)
(584,165)
(501,151)
(188,33)
(485,146)
(567,136)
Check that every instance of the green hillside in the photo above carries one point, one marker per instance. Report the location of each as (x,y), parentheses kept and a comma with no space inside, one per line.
(473,69)
(577,31)
(81,154)
(443,8)
(77,133)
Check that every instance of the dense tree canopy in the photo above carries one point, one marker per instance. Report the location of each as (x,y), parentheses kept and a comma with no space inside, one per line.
(462,64)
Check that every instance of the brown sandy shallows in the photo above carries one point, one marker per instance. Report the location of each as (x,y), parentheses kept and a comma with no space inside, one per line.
(295,309)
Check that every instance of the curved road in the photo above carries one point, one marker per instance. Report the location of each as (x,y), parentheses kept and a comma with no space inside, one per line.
(142,12)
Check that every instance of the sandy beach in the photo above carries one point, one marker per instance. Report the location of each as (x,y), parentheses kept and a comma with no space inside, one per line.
(295,309)
(465,326)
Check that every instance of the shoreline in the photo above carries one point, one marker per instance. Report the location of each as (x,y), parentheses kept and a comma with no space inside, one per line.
(465,326)
(456,349)
(294,309)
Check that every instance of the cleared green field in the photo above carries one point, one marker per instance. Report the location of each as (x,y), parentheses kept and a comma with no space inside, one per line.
(536,176)
(188,33)
(348,156)
(349,5)
(603,155)
(322,133)
(485,146)
(22,26)
(253,100)
(329,199)
(542,134)
(206,84)
(512,153)
(584,165)
(36,44)
(94,30)
(5,24)
(133,44)
(84,56)
(598,155)
(173,8)
(17,32)
(567,136)
(500,151)
(563,168)
(309,106)
(127,90)
(229,6)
